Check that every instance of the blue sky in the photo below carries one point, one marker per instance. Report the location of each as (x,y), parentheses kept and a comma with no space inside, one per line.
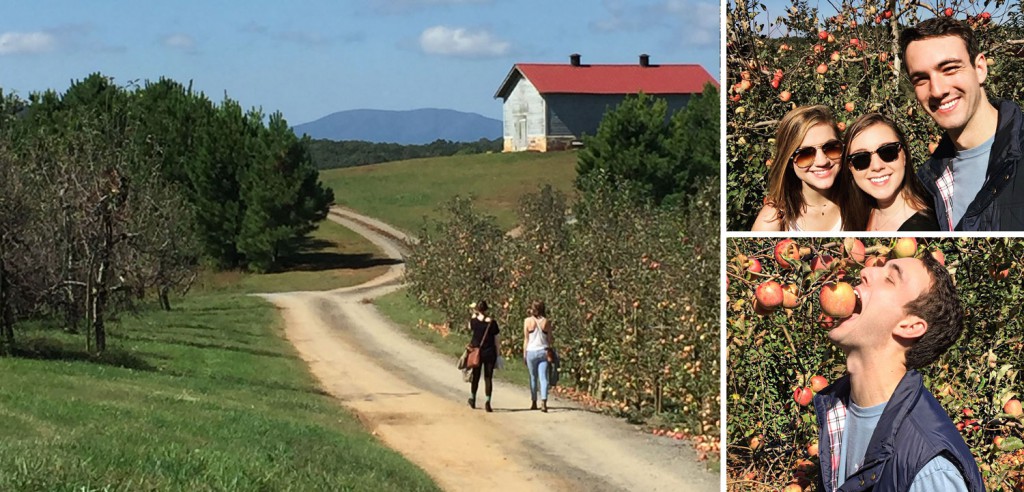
(312,58)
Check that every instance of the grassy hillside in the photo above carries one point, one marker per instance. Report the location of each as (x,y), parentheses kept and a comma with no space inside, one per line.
(402,193)
(209,396)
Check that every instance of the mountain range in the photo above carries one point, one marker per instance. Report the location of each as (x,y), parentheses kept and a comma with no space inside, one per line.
(411,127)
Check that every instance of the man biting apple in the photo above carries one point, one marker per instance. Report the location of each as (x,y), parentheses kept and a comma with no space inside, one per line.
(881,429)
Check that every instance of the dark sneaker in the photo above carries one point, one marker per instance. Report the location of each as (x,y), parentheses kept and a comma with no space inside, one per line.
(533,406)
(487,406)
(472,402)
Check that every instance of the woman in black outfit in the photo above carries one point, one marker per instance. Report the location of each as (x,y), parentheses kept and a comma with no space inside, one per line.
(886,194)
(485,335)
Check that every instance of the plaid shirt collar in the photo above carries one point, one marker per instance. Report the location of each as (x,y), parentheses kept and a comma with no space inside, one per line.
(945,185)
(835,424)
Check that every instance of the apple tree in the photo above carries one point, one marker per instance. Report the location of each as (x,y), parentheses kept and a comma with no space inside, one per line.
(779,354)
(846,58)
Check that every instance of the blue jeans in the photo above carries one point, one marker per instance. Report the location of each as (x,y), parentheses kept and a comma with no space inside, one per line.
(537,362)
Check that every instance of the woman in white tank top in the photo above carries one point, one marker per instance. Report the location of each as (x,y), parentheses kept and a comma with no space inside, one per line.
(537,340)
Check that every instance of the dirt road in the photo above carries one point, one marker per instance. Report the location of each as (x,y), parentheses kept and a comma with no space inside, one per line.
(414,400)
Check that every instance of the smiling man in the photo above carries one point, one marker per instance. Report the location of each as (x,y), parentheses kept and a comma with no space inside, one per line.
(975,175)
(881,429)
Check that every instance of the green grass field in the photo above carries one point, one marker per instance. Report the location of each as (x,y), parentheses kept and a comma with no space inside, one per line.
(209,396)
(402,193)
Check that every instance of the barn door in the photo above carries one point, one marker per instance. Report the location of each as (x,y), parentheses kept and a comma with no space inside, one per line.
(520,135)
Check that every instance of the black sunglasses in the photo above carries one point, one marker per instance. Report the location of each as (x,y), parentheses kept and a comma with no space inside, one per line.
(862,160)
(804,156)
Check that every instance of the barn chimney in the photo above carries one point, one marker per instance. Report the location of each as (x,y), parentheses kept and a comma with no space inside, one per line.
(645,60)
(574,59)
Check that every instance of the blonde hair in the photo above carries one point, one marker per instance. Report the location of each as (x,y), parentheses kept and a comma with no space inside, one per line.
(784,187)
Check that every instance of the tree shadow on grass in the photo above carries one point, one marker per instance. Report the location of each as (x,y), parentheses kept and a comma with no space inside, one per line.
(311,257)
(52,349)
(320,261)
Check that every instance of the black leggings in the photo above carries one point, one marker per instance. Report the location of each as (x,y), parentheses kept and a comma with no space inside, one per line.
(488,367)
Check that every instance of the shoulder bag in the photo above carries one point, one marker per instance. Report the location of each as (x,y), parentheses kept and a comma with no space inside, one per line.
(473,356)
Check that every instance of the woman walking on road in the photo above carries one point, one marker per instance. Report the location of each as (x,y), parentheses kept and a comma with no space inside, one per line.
(485,335)
(537,345)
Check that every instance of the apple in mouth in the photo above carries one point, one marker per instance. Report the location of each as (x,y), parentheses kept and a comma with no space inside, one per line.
(840,302)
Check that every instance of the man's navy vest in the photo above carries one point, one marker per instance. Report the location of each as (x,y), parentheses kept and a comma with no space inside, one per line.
(912,430)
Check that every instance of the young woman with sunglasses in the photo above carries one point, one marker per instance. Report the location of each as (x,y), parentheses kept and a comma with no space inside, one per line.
(801,195)
(887,195)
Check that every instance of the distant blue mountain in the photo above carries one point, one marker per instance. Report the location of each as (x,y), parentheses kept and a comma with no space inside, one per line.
(417,126)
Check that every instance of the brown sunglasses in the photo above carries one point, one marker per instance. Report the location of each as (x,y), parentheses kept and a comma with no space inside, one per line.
(804,156)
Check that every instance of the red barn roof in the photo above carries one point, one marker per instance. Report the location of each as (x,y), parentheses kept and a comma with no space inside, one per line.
(551,78)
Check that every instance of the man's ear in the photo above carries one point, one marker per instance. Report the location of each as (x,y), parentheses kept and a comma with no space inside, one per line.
(911,328)
(981,67)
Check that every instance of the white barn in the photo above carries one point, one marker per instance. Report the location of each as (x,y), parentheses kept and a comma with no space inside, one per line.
(551,106)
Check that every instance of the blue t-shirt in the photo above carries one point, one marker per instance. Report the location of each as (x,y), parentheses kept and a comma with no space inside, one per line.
(969,169)
(939,474)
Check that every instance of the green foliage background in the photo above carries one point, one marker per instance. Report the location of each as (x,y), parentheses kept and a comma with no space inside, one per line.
(769,356)
(867,74)
(629,271)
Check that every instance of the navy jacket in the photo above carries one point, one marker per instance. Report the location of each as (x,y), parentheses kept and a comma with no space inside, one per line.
(999,206)
(912,430)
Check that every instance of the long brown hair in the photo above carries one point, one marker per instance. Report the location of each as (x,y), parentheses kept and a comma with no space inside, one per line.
(857,207)
(537,308)
(784,187)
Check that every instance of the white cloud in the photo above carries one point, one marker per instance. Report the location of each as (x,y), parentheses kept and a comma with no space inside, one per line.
(180,41)
(15,43)
(461,42)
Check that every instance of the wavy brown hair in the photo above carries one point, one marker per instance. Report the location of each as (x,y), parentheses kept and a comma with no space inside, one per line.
(784,187)
(858,205)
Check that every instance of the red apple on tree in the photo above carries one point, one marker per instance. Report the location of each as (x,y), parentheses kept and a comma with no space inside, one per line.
(784,96)
(999,272)
(821,68)
(1013,407)
(785,251)
(769,294)
(802,396)
(822,262)
(939,256)
(837,299)
(854,248)
(753,266)
(818,383)
(790,296)
(760,309)
(875,261)
(905,247)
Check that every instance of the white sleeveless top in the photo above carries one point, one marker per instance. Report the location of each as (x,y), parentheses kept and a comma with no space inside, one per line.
(536,339)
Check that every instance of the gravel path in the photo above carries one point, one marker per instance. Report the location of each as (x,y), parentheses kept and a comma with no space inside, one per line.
(414,400)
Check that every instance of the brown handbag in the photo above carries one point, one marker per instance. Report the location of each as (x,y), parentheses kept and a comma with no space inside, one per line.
(473,355)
